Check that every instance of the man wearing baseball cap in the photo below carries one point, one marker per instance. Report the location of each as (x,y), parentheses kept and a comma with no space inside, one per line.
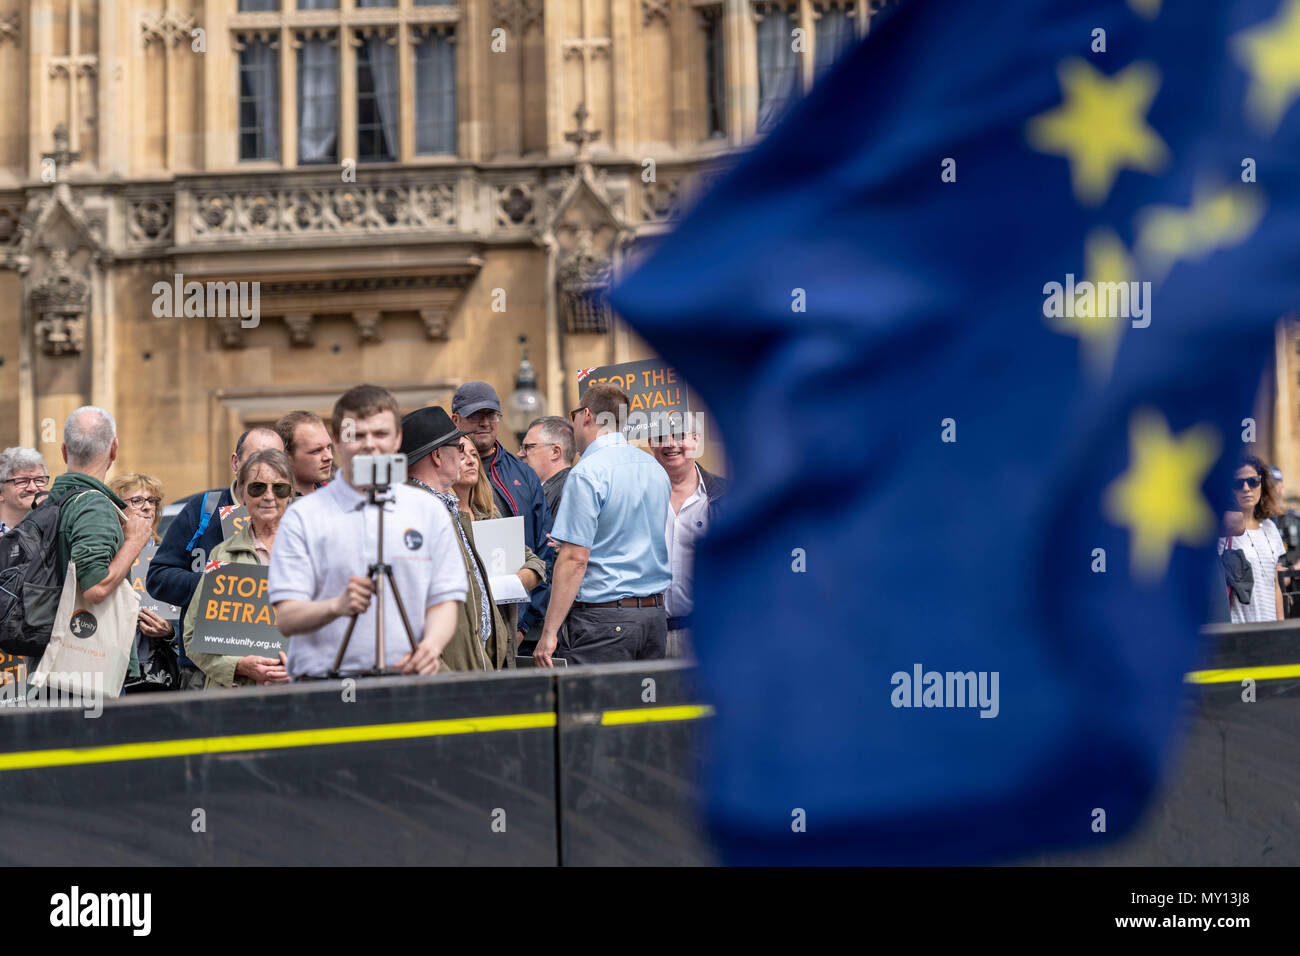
(476,411)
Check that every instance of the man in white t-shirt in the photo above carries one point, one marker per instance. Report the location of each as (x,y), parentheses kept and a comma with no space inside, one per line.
(327,540)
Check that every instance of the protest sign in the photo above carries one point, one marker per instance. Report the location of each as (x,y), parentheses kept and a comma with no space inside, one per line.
(234,616)
(139,571)
(13,677)
(233,520)
(500,544)
(656,394)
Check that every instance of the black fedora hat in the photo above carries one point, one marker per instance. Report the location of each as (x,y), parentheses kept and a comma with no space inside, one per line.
(425,429)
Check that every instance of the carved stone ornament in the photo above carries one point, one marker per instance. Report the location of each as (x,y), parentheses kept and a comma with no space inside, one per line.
(60,302)
(517,15)
(653,8)
(435,323)
(368,326)
(167,27)
(11,28)
(301,329)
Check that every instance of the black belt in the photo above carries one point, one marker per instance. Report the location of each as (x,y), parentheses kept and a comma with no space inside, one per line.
(654,600)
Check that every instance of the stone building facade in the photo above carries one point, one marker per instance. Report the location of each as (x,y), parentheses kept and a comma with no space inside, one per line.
(409,185)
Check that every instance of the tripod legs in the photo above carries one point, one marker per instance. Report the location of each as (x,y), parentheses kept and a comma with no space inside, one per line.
(377,574)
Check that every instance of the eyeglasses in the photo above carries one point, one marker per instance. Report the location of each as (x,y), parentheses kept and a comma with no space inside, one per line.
(529,445)
(485,417)
(139,501)
(39,481)
(282,489)
(1239,483)
(574,414)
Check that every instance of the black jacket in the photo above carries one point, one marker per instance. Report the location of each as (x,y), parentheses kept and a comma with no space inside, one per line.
(715,487)
(170,576)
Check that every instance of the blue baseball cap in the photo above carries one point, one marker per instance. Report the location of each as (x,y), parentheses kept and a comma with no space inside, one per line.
(473,397)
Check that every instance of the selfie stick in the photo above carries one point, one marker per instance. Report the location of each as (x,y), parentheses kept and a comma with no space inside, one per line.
(377,572)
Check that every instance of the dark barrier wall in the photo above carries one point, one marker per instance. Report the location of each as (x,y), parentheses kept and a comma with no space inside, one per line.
(580,767)
(413,771)
(629,755)
(1235,795)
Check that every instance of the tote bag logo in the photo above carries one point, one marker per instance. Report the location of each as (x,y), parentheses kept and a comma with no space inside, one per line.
(83,624)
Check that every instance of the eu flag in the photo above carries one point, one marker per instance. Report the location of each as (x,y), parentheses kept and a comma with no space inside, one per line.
(979,324)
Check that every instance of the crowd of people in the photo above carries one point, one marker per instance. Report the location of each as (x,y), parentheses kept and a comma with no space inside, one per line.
(608,541)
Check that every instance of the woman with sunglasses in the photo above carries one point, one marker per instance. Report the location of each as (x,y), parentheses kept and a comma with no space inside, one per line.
(477,503)
(1259,541)
(265,487)
(143,497)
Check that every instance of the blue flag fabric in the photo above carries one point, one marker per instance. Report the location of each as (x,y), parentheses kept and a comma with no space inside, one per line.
(946,615)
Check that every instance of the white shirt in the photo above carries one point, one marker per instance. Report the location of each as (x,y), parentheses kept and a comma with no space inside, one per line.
(681,532)
(332,534)
(1261,547)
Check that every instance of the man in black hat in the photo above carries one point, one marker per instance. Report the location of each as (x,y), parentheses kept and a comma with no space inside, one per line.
(432,445)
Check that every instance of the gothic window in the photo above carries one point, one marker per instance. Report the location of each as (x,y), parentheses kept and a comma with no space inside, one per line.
(318,99)
(778,61)
(259,99)
(834,34)
(586,311)
(377,120)
(786,61)
(435,92)
(361,49)
(715,79)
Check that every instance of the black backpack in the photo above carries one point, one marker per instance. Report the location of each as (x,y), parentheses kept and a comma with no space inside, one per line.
(30,583)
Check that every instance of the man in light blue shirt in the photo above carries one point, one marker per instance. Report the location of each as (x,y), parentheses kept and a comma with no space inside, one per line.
(612,569)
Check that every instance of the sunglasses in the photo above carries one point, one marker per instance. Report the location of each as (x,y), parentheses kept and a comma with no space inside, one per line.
(1239,483)
(282,489)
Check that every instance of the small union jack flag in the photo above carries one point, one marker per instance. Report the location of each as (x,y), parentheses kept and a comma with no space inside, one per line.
(213,565)
(225,510)
(584,372)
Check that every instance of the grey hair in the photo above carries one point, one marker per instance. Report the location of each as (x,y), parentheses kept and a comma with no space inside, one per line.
(557,431)
(19,458)
(273,457)
(88,443)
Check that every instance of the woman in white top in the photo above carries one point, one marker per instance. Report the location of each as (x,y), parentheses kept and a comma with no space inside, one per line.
(1260,543)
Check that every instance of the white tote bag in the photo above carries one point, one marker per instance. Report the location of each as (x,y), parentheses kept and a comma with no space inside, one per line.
(89,639)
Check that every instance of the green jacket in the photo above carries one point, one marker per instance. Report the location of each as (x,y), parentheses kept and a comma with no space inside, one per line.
(90,529)
(219,669)
(466,651)
(510,613)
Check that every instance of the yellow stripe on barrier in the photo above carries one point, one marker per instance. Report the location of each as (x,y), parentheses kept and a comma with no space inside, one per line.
(1235,675)
(648,714)
(271,741)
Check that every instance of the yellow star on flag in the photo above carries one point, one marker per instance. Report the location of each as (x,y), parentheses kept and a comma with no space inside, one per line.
(1105,261)
(1159,498)
(1216,219)
(1270,53)
(1101,127)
